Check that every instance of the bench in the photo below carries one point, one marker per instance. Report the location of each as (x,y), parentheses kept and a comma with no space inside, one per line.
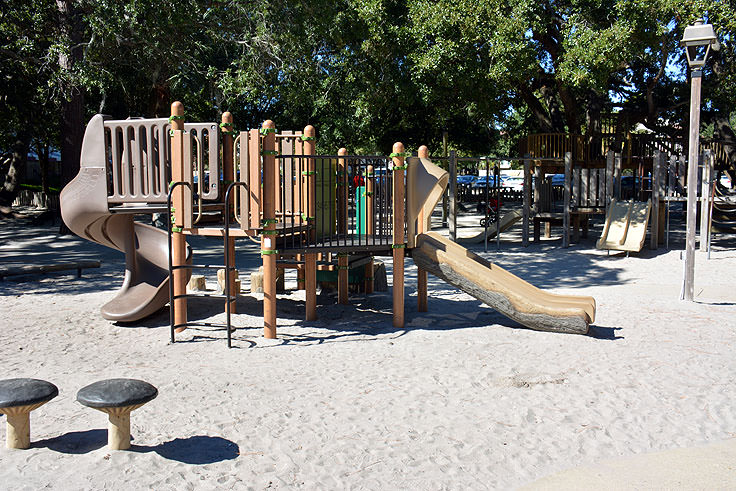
(27,269)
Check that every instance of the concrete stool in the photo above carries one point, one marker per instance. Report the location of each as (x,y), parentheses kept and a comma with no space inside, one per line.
(18,397)
(117,397)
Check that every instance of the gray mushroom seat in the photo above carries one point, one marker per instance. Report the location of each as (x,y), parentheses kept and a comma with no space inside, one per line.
(117,398)
(18,397)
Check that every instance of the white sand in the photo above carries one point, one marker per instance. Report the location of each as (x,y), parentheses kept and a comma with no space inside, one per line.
(460,399)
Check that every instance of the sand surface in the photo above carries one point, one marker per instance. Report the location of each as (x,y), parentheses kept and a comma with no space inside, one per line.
(462,398)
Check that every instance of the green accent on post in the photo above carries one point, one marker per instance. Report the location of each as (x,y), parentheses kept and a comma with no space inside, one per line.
(268,221)
(229,133)
(343,268)
(225,125)
(175,118)
(309,172)
(267,252)
(306,217)
(266,131)
(269,152)
(368,193)
(398,246)
(399,167)
(400,154)
(301,280)
(176,229)
(171,132)
(269,232)
(307,138)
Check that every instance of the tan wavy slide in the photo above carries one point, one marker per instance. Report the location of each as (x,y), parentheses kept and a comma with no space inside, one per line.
(506,293)
(506,222)
(85,211)
(626,226)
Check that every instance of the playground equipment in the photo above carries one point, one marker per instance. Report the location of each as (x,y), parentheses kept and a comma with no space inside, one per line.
(504,223)
(626,226)
(310,212)
(100,202)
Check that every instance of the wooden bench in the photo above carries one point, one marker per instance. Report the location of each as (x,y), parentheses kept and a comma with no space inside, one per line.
(27,269)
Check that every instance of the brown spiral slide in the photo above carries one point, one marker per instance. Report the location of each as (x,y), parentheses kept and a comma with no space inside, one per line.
(84,208)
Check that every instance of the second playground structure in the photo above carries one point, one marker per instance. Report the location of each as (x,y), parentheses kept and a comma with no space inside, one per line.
(308,211)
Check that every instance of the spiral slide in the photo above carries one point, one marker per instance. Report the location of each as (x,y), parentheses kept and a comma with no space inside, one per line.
(85,211)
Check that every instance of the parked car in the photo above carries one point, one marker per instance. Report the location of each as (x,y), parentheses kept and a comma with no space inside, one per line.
(482,180)
(465,180)
(557,179)
(514,183)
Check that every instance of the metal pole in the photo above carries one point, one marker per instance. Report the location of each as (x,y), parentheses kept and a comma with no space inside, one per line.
(487,206)
(688,281)
(497,181)
(453,195)
(445,195)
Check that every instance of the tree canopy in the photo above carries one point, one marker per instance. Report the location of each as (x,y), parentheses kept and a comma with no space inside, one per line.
(365,73)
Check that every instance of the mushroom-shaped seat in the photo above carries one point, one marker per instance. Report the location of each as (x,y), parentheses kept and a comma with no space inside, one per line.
(18,397)
(117,397)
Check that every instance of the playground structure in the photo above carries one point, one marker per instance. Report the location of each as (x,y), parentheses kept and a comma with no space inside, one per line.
(308,211)
(595,183)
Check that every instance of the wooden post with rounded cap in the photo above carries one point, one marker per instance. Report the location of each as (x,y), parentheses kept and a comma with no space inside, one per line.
(310,259)
(228,175)
(268,235)
(399,240)
(178,200)
(422,228)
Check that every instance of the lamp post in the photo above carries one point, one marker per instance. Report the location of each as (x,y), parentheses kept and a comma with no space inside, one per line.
(698,40)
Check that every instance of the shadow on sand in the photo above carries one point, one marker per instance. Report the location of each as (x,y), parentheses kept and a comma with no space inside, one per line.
(197,450)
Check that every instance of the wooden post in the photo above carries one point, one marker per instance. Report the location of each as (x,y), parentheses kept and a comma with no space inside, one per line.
(268,235)
(342,258)
(609,179)
(539,179)
(178,200)
(526,210)
(688,287)
(566,201)
(422,227)
(310,260)
(656,196)
(398,232)
(705,189)
(617,176)
(228,175)
(369,229)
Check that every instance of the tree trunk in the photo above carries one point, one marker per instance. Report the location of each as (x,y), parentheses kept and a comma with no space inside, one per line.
(9,170)
(72,107)
(724,133)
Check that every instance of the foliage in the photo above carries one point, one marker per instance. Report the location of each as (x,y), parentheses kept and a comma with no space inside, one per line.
(367,73)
